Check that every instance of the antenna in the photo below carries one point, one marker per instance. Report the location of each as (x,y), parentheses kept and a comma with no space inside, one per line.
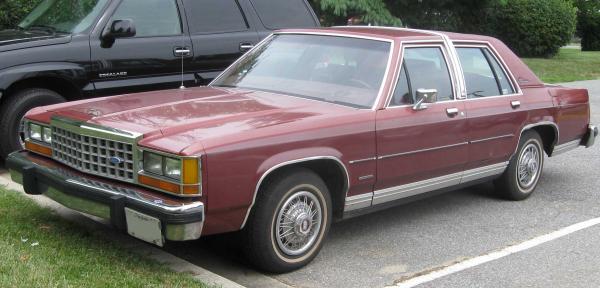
(182,54)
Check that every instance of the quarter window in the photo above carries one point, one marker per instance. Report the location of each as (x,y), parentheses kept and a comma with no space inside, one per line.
(423,68)
(151,17)
(483,75)
(213,16)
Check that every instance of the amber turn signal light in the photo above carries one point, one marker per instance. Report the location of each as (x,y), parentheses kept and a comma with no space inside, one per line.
(160,184)
(37,148)
(191,173)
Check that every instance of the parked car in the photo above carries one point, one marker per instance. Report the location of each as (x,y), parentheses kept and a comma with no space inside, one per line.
(311,126)
(71,49)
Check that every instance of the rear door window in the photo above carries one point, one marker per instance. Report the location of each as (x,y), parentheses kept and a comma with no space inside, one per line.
(215,16)
(284,13)
(484,76)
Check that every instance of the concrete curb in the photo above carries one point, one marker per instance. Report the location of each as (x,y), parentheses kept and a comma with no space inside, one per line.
(146,250)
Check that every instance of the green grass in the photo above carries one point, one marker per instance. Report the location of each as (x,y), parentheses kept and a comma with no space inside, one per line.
(569,65)
(68,255)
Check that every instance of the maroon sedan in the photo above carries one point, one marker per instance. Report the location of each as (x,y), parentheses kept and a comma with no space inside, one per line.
(309,127)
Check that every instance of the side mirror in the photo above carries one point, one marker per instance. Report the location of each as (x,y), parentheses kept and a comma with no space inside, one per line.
(117,29)
(425,96)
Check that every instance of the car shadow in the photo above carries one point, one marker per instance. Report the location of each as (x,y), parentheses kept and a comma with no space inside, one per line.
(223,255)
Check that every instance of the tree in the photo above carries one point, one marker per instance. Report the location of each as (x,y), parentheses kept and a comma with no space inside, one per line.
(12,11)
(588,24)
(337,12)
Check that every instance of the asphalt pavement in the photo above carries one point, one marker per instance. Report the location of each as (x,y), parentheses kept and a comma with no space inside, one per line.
(391,246)
(399,244)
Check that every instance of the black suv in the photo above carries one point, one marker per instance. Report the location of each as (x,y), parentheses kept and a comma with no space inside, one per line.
(73,49)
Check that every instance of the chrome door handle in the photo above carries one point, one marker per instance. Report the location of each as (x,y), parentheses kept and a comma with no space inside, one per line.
(452,112)
(515,104)
(182,51)
(246,46)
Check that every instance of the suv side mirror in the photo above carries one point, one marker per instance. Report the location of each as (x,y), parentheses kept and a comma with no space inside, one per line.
(425,96)
(118,29)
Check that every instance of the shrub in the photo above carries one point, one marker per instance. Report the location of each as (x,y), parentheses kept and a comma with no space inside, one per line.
(588,24)
(533,28)
(12,11)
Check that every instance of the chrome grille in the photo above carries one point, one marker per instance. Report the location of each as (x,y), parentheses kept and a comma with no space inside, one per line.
(93,155)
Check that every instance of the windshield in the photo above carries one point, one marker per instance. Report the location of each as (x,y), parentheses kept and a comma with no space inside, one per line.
(63,16)
(342,70)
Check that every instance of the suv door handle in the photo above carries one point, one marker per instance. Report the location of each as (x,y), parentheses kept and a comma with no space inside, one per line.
(246,46)
(182,51)
(452,112)
(515,104)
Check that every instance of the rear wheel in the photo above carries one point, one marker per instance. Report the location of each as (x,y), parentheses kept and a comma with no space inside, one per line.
(287,226)
(524,170)
(12,112)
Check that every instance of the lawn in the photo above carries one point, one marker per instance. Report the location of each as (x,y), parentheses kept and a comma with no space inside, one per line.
(569,65)
(40,249)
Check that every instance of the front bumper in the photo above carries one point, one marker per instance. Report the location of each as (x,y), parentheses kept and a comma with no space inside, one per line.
(178,219)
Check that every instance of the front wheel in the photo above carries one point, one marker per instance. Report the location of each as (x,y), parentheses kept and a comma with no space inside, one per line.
(524,170)
(287,226)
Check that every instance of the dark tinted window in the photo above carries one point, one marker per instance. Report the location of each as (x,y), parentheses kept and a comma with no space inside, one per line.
(151,17)
(402,94)
(284,13)
(505,86)
(211,16)
(427,69)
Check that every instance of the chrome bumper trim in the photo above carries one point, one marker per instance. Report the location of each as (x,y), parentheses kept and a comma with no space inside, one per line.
(181,219)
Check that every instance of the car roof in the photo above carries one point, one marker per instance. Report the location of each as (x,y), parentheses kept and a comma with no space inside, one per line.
(390,33)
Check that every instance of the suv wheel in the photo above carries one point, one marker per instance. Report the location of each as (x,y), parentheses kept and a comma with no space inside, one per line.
(524,170)
(287,226)
(12,112)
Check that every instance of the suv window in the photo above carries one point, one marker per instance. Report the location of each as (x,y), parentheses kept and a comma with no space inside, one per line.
(151,17)
(284,13)
(423,68)
(483,75)
(213,16)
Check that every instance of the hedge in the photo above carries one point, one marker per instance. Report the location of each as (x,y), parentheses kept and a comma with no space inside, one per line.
(534,28)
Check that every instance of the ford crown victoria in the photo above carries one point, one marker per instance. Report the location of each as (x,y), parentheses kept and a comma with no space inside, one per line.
(309,127)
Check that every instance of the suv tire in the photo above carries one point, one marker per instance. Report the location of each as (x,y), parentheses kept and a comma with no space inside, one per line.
(13,110)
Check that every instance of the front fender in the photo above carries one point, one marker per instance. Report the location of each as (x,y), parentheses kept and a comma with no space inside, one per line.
(73,73)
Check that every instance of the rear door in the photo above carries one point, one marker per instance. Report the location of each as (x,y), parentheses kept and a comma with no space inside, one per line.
(494,107)
(425,150)
(220,32)
(281,14)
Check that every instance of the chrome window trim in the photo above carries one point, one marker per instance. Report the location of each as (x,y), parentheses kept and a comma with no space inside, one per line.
(333,34)
(290,162)
(499,59)
(419,44)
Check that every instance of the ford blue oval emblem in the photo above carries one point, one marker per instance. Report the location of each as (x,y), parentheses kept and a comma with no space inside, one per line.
(116,160)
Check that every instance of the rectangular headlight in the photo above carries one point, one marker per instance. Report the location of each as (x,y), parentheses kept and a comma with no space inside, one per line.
(35,132)
(153,163)
(172,168)
(47,135)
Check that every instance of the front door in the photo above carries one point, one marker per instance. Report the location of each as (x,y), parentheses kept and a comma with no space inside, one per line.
(420,150)
(150,60)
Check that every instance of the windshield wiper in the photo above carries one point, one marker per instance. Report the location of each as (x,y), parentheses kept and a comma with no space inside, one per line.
(46,28)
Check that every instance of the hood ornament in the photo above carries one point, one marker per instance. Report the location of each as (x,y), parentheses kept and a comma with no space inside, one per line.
(93,112)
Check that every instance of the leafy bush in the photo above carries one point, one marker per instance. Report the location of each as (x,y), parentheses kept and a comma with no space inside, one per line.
(12,11)
(533,28)
(588,24)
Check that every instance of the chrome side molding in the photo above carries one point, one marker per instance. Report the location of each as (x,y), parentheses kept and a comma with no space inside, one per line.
(404,191)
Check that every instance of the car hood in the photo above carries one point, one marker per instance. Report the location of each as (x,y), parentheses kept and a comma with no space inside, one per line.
(173,120)
(20,39)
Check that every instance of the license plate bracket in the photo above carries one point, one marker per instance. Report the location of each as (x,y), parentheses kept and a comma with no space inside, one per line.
(144,227)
